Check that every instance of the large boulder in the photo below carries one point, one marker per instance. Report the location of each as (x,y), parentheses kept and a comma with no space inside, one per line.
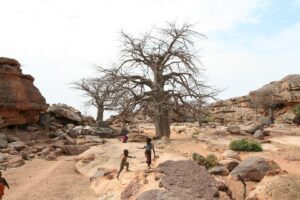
(279,187)
(137,137)
(177,176)
(74,149)
(19,145)
(254,168)
(234,129)
(20,101)
(65,113)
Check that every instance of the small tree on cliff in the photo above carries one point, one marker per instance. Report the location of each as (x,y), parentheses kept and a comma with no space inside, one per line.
(161,69)
(266,99)
(99,93)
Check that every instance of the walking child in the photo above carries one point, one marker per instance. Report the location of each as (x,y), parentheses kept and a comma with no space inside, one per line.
(3,183)
(148,149)
(124,162)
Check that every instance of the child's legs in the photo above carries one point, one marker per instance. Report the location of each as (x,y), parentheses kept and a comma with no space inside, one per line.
(127,166)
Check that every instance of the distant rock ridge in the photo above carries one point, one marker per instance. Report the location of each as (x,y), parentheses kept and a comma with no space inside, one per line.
(239,109)
(20,101)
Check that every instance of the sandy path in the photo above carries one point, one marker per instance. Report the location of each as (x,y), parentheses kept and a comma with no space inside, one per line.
(47,180)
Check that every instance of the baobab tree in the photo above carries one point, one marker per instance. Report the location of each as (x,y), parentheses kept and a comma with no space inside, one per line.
(99,94)
(161,69)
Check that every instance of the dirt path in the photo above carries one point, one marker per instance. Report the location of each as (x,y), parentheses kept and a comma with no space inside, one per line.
(47,180)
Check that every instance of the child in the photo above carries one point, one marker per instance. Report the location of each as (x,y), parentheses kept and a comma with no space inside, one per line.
(148,147)
(3,183)
(124,162)
(124,138)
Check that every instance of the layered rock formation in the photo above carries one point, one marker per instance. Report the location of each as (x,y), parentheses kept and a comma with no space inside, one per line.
(239,109)
(20,101)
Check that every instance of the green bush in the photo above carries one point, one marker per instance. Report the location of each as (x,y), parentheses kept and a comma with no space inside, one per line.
(245,145)
(296,110)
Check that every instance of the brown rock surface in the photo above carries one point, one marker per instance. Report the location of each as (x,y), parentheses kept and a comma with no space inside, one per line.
(276,188)
(20,101)
(239,109)
(188,180)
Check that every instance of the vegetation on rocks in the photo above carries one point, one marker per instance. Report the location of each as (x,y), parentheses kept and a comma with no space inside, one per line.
(208,162)
(296,111)
(245,145)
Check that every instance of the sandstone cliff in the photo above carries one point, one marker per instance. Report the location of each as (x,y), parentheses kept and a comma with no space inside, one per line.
(239,109)
(20,101)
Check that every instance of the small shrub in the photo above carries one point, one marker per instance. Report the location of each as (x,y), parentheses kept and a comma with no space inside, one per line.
(195,134)
(296,110)
(208,162)
(245,145)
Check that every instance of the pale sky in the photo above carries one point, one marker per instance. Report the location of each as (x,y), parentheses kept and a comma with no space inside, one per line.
(250,42)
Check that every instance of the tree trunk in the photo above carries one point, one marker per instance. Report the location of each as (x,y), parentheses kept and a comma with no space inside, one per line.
(162,123)
(100,111)
(271,114)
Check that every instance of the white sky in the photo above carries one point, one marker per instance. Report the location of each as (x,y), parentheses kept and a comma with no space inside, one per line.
(57,41)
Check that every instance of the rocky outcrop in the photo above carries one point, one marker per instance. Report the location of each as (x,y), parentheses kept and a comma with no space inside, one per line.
(184,180)
(279,187)
(239,109)
(20,101)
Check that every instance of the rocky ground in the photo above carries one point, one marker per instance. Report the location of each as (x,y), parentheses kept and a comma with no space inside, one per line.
(35,170)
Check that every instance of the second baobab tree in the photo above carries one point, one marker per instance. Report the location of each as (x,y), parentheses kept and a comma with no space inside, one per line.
(161,69)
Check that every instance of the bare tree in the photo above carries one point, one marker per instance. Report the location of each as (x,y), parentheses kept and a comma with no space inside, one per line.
(161,69)
(99,92)
(266,100)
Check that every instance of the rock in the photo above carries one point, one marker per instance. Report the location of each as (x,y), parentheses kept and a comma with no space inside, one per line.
(3,157)
(20,101)
(104,132)
(177,176)
(240,109)
(65,113)
(231,154)
(51,157)
(131,190)
(277,188)
(255,128)
(3,143)
(69,140)
(17,145)
(11,138)
(46,151)
(14,162)
(254,168)
(74,149)
(69,126)
(75,132)
(258,135)
(219,170)
(137,138)
(265,121)
(234,129)
(87,120)
(58,152)
(25,155)
(158,195)
(32,128)
(229,163)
